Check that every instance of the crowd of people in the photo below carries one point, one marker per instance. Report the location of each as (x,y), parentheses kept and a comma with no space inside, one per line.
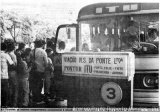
(24,72)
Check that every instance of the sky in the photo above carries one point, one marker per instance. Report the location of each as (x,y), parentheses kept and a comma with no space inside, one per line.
(52,11)
(56,10)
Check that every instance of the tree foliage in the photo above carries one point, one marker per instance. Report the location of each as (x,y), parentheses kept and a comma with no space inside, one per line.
(24,28)
(9,22)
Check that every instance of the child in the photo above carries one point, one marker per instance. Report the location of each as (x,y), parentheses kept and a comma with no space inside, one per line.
(23,75)
(48,74)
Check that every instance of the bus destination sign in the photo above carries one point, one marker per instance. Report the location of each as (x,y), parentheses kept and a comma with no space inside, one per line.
(110,64)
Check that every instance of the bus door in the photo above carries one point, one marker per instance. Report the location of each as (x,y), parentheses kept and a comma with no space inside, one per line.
(65,42)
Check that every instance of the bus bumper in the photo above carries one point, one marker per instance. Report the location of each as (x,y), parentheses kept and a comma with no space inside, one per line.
(145,98)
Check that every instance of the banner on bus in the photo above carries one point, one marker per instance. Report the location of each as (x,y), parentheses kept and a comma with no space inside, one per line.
(99,64)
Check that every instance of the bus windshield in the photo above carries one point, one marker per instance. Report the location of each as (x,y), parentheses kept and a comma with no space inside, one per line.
(138,33)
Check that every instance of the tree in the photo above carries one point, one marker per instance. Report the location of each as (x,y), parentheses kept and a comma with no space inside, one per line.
(24,28)
(42,30)
(9,21)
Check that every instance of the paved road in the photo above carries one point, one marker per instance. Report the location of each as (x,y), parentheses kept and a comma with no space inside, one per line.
(52,103)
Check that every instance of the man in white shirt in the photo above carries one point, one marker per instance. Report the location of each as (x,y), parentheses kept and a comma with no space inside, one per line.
(5,60)
(39,56)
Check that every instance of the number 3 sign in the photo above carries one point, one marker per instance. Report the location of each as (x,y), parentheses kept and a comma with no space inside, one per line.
(111,93)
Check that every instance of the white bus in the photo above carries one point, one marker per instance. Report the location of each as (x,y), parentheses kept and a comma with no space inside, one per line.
(109,28)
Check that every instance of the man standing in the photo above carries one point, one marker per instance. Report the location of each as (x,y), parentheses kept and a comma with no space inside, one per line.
(39,57)
(12,72)
(5,60)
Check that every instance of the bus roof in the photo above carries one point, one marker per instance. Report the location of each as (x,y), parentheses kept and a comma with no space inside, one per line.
(113,9)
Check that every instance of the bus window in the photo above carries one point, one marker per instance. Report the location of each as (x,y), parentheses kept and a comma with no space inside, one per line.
(137,34)
(86,35)
(125,33)
(102,40)
(66,40)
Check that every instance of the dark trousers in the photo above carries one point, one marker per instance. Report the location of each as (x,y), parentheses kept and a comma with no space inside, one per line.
(47,83)
(13,88)
(36,84)
(23,90)
(4,92)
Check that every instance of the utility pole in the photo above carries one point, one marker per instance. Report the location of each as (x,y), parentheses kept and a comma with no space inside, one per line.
(14,31)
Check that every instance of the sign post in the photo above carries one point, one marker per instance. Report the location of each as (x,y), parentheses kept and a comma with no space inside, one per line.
(99,79)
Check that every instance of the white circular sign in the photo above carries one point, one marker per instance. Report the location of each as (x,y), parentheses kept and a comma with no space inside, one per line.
(111,93)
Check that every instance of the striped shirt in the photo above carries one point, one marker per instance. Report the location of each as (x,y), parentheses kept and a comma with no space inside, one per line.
(5,60)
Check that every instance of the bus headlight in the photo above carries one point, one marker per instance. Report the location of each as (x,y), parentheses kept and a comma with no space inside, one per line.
(150,81)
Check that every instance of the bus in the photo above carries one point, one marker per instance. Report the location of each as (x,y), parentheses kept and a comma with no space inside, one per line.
(106,30)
